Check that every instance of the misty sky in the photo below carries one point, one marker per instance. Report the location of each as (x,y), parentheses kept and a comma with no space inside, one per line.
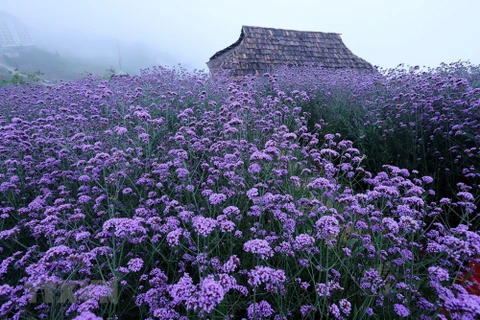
(383,32)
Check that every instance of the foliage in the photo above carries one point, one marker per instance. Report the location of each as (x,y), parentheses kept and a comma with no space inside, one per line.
(22,77)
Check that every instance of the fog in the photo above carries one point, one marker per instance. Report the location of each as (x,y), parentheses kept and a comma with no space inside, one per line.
(147,32)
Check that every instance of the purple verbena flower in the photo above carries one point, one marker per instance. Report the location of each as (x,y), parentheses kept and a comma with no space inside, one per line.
(135,265)
(260,247)
(87,315)
(327,228)
(260,310)
(217,198)
(438,273)
(204,226)
(345,307)
(401,310)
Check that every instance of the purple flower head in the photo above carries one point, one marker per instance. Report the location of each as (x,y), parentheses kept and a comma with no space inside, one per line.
(225,224)
(144,137)
(409,224)
(84,199)
(185,215)
(135,265)
(307,309)
(231,210)
(173,237)
(347,251)
(81,235)
(427,179)
(166,313)
(232,264)
(345,307)
(335,311)
(369,311)
(87,315)
(329,152)
(371,281)
(182,173)
(126,228)
(210,295)
(217,198)
(261,310)
(390,225)
(401,310)
(56,252)
(260,247)
(252,193)
(204,226)
(120,130)
(327,228)
(445,201)
(320,183)
(303,241)
(84,178)
(258,155)
(254,168)
(438,273)
(127,191)
(183,289)
(271,277)
(326,289)
(467,196)
(290,136)
(413,201)
(93,293)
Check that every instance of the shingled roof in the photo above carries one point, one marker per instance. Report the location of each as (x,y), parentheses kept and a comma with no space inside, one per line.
(260,50)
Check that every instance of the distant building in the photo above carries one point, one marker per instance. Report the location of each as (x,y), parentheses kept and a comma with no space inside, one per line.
(13,33)
(260,50)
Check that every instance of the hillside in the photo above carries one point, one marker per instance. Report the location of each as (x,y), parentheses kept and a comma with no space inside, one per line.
(52,65)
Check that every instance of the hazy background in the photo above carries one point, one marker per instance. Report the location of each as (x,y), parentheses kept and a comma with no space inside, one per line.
(147,32)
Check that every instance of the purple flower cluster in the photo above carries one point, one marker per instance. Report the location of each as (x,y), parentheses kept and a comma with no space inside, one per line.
(327,228)
(260,247)
(260,310)
(273,279)
(203,226)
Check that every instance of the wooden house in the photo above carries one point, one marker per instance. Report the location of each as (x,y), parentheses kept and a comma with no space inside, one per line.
(260,50)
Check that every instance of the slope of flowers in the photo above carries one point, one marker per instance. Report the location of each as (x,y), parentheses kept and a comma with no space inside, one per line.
(188,197)
(423,120)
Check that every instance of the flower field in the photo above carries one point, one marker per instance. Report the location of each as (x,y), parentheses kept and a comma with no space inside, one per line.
(305,194)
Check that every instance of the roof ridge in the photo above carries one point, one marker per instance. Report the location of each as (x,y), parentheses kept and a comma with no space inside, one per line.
(303,31)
